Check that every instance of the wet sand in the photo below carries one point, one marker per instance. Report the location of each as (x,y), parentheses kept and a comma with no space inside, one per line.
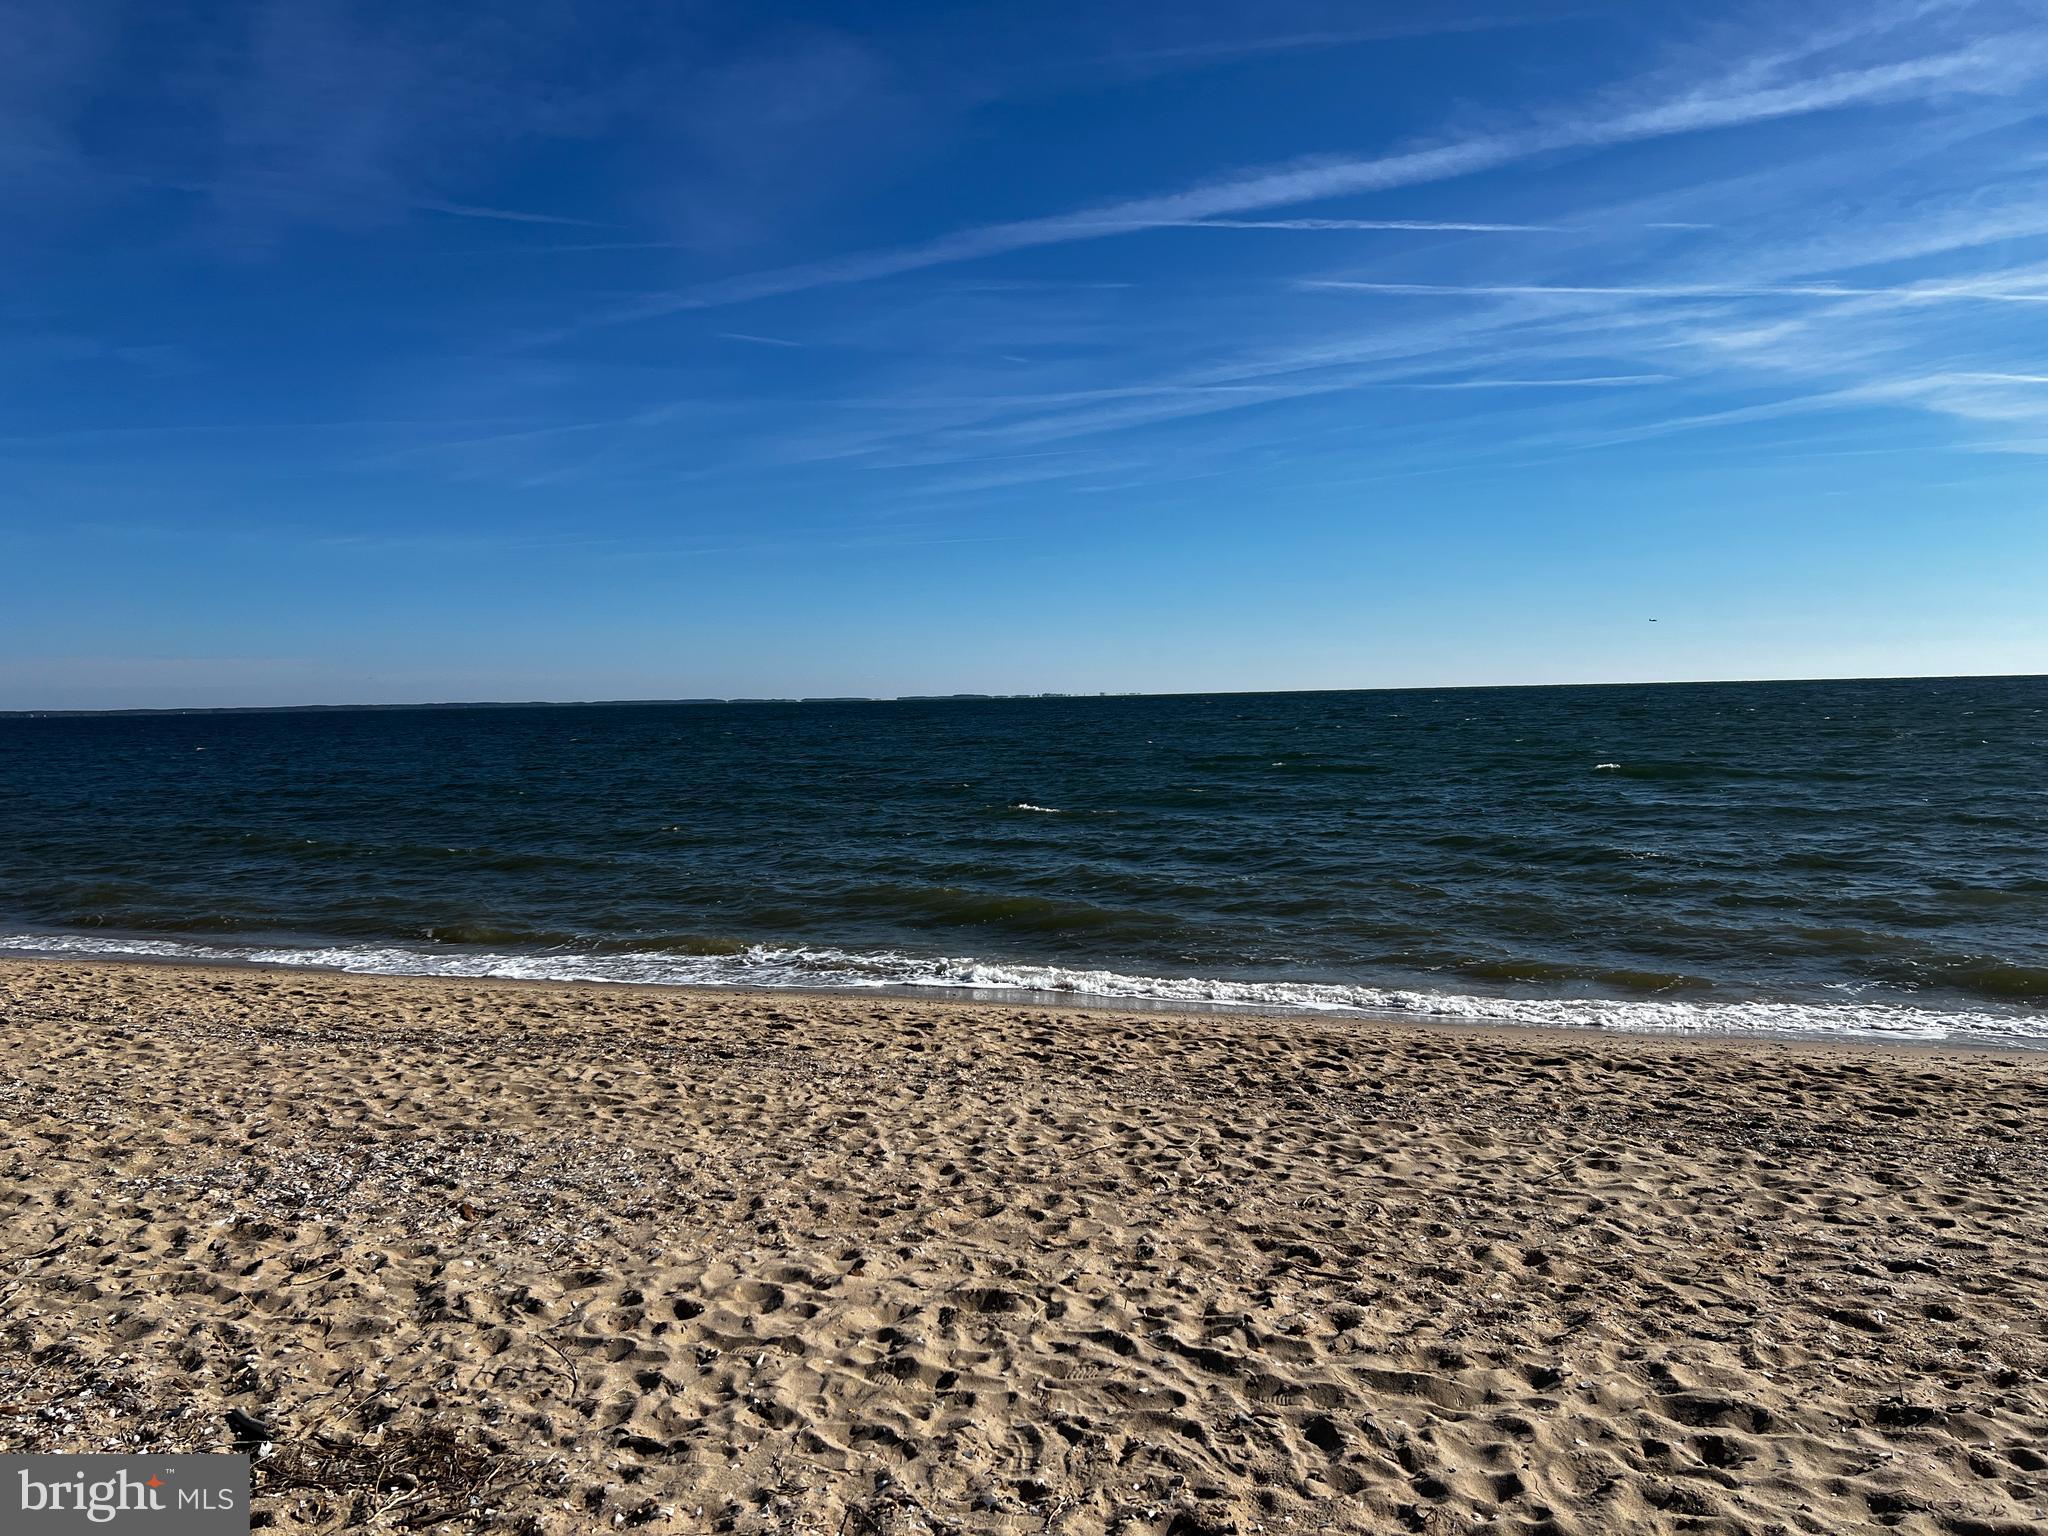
(522,1257)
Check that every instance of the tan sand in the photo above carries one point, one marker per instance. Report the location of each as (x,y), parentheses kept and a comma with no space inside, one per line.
(571,1258)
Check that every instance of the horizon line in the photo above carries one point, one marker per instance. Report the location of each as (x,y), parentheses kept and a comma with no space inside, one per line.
(993,698)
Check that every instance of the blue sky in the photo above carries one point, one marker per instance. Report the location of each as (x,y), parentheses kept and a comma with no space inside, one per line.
(397,352)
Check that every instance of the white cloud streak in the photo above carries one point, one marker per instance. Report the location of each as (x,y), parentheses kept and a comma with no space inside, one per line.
(1991,66)
(760,341)
(1906,293)
(503,215)
(1454,226)
(1605,381)
(1457,226)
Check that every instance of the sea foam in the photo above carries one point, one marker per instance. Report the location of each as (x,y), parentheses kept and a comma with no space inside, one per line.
(829,969)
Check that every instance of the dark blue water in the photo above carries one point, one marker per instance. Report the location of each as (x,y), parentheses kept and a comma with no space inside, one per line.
(1804,856)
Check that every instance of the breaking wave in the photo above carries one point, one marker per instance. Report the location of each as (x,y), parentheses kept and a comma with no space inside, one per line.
(824,968)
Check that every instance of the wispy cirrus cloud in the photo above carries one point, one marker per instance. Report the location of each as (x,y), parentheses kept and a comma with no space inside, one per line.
(760,341)
(502,215)
(1989,66)
(1602,381)
(1451,225)
(1933,292)
(1847,265)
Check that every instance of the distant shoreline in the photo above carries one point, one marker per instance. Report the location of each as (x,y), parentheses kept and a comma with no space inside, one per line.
(991,698)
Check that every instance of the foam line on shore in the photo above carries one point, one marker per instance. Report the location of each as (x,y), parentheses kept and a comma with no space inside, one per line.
(825,968)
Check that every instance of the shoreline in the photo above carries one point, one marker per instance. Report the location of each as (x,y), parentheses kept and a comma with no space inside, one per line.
(1004,997)
(560,1257)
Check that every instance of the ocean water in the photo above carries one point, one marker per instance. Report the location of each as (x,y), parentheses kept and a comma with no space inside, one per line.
(1866,858)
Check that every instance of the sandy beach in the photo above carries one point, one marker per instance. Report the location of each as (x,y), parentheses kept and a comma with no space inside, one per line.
(556,1258)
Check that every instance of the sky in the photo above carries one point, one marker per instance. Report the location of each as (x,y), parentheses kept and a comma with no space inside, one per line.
(367,352)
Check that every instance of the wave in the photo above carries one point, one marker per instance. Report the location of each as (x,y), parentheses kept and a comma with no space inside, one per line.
(823,968)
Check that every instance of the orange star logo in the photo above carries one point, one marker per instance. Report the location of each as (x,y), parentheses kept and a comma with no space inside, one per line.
(155,1481)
